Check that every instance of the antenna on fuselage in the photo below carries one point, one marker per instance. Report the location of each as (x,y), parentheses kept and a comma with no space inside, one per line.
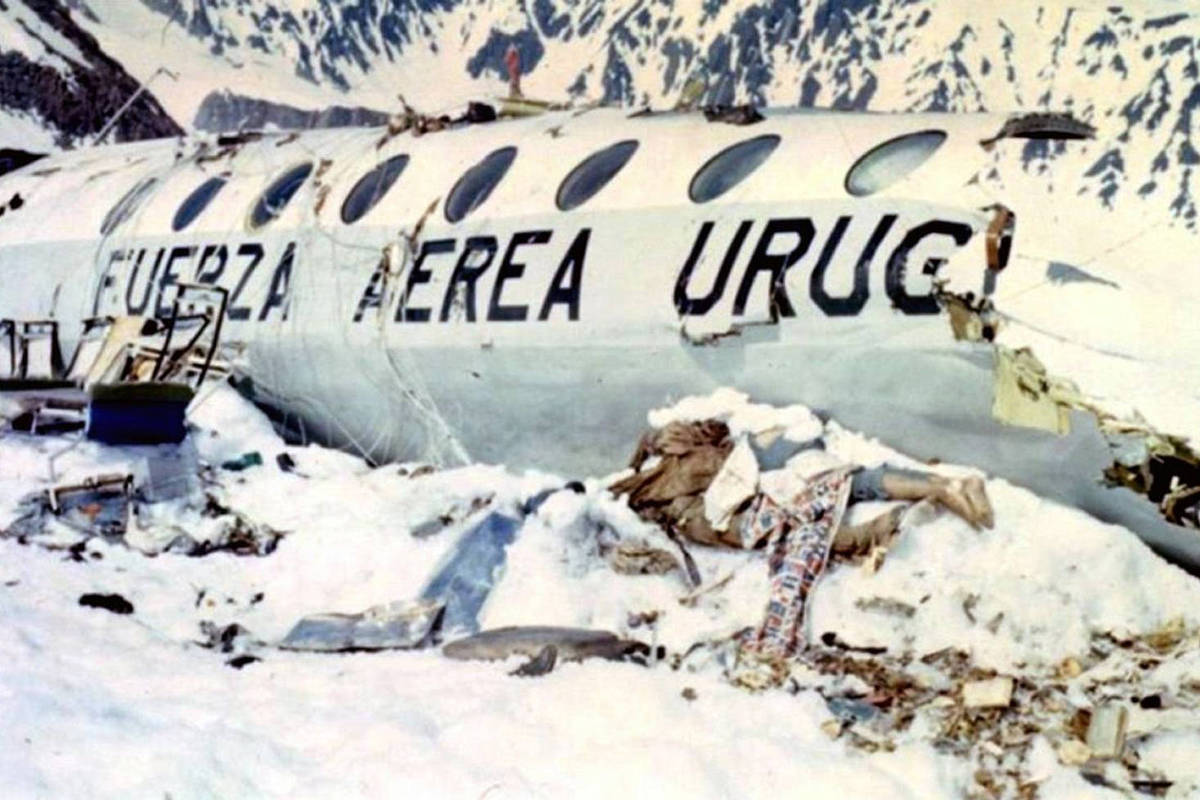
(132,98)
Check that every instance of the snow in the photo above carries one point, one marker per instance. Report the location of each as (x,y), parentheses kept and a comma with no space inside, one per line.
(22,31)
(95,704)
(25,132)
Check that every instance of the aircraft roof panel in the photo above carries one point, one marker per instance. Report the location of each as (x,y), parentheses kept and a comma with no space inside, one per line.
(816,150)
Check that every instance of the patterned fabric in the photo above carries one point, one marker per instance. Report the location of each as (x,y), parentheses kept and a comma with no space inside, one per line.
(800,536)
(764,521)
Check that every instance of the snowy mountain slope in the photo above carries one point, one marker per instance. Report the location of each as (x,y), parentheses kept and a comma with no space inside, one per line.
(57,86)
(1130,69)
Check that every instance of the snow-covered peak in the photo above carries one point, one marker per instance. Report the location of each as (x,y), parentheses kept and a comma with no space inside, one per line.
(1129,69)
(58,87)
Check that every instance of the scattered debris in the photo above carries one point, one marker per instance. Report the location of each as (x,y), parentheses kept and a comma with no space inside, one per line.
(452,516)
(225,531)
(998,243)
(106,506)
(109,602)
(886,605)
(745,114)
(971,320)
(243,462)
(232,638)
(851,711)
(238,662)
(449,604)
(1167,472)
(638,619)
(633,558)
(1110,696)
(419,124)
(98,506)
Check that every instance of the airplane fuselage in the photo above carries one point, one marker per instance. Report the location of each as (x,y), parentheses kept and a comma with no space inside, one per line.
(534,332)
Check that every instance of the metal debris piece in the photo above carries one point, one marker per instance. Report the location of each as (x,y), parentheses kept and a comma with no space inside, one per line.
(692,597)
(541,664)
(1041,125)
(1026,395)
(399,626)
(571,644)
(850,710)
(1058,272)
(465,580)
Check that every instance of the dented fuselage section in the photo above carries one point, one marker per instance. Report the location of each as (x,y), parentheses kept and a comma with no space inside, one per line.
(472,305)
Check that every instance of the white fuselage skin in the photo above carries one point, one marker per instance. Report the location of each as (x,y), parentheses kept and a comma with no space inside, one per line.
(531,336)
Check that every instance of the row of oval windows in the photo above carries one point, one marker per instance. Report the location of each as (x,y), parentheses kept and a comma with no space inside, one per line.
(880,167)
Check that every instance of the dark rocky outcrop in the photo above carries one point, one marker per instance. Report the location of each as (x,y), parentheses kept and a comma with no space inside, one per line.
(78,103)
(226,111)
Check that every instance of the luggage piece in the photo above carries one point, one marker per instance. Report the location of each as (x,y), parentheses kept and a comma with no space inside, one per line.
(138,413)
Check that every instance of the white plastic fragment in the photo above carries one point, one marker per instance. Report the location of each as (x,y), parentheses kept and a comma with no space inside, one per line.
(736,483)
(1106,731)
(991,693)
(1073,752)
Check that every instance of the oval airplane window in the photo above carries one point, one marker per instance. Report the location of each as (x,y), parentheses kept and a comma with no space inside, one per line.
(196,202)
(477,183)
(730,167)
(371,188)
(275,199)
(593,174)
(126,206)
(887,163)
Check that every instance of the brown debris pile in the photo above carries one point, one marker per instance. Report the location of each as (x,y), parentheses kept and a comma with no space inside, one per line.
(671,492)
(1095,713)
